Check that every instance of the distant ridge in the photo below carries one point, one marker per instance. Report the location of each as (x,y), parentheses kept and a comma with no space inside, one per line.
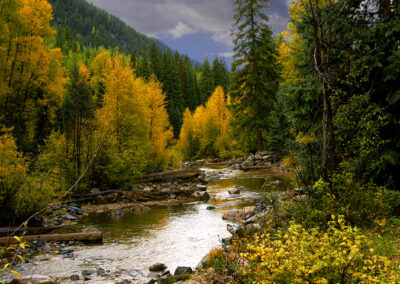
(92,26)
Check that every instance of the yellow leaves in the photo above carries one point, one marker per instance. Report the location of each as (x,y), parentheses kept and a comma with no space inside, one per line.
(305,138)
(208,131)
(298,254)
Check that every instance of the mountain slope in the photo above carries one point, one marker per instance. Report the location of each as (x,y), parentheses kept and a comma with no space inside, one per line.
(92,26)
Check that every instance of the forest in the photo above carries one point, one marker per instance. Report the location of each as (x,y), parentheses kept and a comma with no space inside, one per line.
(84,97)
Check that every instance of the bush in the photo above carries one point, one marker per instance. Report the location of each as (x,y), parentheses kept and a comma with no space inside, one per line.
(340,254)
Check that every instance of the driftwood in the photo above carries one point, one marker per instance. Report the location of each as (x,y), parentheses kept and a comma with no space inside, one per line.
(8,230)
(90,237)
(252,168)
(172,175)
(95,194)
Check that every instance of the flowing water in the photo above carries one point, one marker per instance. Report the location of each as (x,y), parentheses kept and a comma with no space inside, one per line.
(174,235)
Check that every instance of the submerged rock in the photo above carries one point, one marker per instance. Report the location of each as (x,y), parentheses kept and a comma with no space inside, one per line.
(210,208)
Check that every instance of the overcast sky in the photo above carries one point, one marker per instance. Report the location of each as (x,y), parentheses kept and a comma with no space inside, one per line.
(194,27)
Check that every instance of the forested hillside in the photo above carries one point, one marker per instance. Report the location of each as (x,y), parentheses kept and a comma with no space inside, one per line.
(94,27)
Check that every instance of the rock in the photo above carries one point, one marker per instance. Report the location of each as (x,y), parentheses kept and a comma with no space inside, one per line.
(88,272)
(34,279)
(201,187)
(147,189)
(202,195)
(226,241)
(298,190)
(249,162)
(230,229)
(151,281)
(191,282)
(154,275)
(165,280)
(157,267)
(248,229)
(70,217)
(117,213)
(87,278)
(210,208)
(276,182)
(183,270)
(74,277)
(165,190)
(238,215)
(100,271)
(234,190)
(65,250)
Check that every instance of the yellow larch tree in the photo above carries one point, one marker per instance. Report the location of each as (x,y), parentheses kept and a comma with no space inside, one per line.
(160,130)
(123,123)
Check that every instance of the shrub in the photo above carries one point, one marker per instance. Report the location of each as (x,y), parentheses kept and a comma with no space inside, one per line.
(340,254)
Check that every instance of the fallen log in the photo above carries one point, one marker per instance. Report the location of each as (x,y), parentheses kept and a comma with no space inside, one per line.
(253,168)
(89,237)
(94,194)
(172,175)
(8,230)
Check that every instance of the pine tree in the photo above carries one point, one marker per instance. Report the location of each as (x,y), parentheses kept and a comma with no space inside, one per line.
(256,78)
(207,85)
(220,73)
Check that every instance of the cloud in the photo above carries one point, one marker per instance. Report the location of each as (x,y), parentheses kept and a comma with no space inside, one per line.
(177,18)
(180,30)
(226,54)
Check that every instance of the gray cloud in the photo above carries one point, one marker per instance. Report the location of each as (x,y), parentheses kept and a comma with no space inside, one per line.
(176,18)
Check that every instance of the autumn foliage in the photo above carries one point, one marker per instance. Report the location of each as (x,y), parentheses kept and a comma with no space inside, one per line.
(207,132)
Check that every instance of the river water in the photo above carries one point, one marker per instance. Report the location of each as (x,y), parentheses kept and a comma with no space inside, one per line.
(174,235)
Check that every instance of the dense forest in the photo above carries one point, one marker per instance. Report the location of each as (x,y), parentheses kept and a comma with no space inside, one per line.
(85,97)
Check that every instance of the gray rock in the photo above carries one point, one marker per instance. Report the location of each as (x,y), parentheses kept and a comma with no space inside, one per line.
(70,217)
(74,277)
(65,250)
(154,275)
(183,270)
(88,272)
(158,267)
(210,208)
(100,271)
(202,195)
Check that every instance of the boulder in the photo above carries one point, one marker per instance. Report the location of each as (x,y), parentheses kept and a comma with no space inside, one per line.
(158,267)
(238,215)
(183,270)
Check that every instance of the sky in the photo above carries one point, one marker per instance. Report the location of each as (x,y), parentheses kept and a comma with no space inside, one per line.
(197,28)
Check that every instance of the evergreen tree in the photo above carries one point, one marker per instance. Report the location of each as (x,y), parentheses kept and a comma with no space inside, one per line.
(172,87)
(220,73)
(256,78)
(206,83)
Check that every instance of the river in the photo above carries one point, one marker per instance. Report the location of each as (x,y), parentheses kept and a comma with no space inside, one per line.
(173,235)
